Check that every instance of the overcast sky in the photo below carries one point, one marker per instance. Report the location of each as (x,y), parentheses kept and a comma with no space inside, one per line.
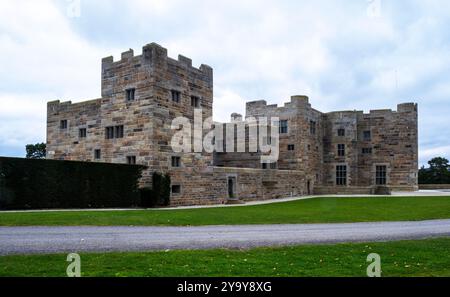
(349,54)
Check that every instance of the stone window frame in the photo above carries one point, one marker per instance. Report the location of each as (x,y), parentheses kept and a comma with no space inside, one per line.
(131,160)
(374,173)
(364,135)
(269,166)
(312,127)
(340,149)
(179,193)
(82,132)
(130,94)
(283,126)
(291,147)
(114,132)
(367,151)
(341,132)
(180,162)
(119,131)
(64,124)
(97,154)
(236,188)
(175,96)
(335,177)
(196,101)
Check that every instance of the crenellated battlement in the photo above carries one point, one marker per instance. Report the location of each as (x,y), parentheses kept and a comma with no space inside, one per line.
(154,54)
(258,107)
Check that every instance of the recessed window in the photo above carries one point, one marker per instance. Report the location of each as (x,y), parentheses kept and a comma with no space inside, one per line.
(380,175)
(341,132)
(176,189)
(341,150)
(283,127)
(176,95)
(118,131)
(291,147)
(269,165)
(130,94)
(82,133)
(341,175)
(367,135)
(367,150)
(176,161)
(312,127)
(97,154)
(63,124)
(114,132)
(109,132)
(131,160)
(195,101)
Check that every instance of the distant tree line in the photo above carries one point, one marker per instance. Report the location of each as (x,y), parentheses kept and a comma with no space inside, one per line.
(438,172)
(36,151)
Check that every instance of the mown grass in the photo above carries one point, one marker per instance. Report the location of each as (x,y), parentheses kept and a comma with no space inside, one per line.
(401,258)
(318,210)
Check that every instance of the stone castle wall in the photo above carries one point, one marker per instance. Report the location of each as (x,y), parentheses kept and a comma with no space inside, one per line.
(307,157)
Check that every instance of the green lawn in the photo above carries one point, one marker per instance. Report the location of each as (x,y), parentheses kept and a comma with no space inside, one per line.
(319,210)
(402,258)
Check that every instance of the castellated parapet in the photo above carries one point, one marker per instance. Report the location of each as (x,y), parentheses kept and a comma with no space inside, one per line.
(141,95)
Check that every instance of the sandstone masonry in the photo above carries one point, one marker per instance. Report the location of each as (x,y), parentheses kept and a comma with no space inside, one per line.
(338,152)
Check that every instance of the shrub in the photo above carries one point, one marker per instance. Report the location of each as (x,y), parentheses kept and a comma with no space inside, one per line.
(46,184)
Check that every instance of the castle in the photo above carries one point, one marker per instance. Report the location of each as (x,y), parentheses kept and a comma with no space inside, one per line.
(343,152)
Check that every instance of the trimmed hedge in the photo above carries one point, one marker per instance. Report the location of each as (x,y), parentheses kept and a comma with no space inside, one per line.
(47,184)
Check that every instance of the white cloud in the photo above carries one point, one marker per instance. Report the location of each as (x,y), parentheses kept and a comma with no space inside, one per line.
(331,51)
(427,154)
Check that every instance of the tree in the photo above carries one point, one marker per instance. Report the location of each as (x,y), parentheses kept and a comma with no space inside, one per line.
(437,173)
(36,151)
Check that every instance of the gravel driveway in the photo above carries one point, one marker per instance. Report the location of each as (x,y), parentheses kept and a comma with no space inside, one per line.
(31,240)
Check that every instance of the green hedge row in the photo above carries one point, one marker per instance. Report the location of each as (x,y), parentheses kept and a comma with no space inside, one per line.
(46,184)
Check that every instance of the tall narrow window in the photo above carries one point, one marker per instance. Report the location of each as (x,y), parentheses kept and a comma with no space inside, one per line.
(63,124)
(367,135)
(118,131)
(283,126)
(109,132)
(82,133)
(176,162)
(131,160)
(341,175)
(97,154)
(130,94)
(176,95)
(341,132)
(380,175)
(312,127)
(195,101)
(341,150)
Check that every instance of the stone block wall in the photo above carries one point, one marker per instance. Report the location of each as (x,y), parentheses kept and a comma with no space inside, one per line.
(308,150)
(210,186)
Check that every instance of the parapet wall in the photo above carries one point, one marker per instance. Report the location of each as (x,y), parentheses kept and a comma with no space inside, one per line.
(211,186)
(153,54)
